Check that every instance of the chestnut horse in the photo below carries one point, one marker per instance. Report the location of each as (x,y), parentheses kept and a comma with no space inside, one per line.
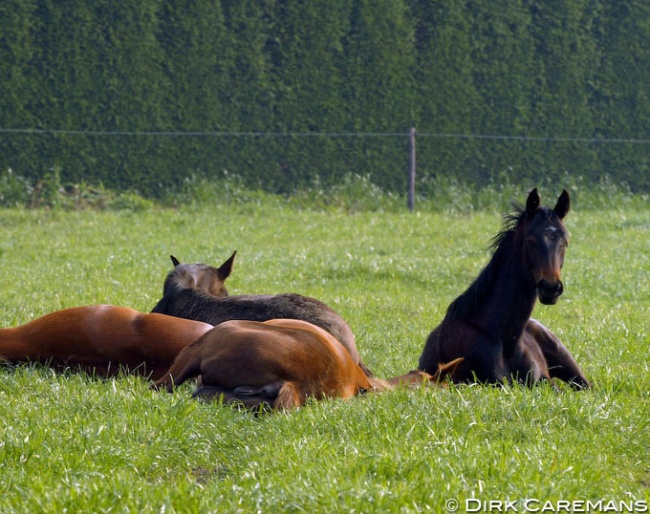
(489,325)
(279,364)
(194,298)
(101,339)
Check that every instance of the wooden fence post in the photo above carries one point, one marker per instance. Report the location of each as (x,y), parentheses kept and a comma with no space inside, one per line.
(411,179)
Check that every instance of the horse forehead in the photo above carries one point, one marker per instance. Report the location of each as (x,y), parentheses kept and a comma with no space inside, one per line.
(546,223)
(191,267)
(194,269)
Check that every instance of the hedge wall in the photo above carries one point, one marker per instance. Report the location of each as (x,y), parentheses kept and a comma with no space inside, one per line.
(141,94)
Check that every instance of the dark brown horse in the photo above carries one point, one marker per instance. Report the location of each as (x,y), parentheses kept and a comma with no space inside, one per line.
(194,299)
(490,325)
(278,363)
(101,339)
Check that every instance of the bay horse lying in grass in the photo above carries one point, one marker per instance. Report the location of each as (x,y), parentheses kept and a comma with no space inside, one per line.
(194,298)
(489,325)
(101,339)
(279,364)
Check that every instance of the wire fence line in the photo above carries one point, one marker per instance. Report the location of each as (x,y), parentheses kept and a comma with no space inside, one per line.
(260,134)
(413,154)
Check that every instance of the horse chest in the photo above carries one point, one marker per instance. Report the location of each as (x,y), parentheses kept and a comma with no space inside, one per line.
(525,365)
(511,347)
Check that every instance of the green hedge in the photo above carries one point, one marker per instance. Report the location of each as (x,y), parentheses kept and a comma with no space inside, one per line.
(258,82)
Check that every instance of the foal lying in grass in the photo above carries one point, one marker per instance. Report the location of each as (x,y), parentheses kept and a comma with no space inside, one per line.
(102,340)
(278,363)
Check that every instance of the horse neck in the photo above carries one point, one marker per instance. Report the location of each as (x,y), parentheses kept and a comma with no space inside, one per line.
(514,297)
(501,299)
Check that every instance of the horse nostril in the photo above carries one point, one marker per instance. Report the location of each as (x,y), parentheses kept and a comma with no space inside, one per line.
(548,292)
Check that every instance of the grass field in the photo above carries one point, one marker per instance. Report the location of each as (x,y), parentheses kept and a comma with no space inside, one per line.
(72,443)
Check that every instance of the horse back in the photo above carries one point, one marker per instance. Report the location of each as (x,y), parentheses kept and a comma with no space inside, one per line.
(278,349)
(190,304)
(243,357)
(101,338)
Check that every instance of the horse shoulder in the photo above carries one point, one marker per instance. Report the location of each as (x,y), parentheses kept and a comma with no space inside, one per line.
(453,339)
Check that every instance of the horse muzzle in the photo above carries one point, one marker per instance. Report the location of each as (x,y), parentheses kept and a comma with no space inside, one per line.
(548,292)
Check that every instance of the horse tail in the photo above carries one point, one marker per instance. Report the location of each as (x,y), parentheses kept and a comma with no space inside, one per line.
(289,397)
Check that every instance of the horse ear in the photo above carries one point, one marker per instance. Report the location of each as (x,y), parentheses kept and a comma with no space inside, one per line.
(563,205)
(532,203)
(175,261)
(226,268)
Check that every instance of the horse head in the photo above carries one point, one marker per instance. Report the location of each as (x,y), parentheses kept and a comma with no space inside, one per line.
(200,277)
(545,241)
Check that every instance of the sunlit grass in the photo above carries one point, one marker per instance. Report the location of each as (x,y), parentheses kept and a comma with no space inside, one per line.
(68,441)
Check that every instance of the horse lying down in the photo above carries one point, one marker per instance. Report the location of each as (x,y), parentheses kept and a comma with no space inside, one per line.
(196,291)
(489,325)
(102,340)
(278,363)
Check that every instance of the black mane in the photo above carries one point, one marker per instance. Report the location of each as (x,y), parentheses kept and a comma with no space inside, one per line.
(511,221)
(463,306)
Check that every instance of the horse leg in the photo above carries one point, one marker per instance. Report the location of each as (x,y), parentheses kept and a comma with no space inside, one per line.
(560,362)
(484,363)
(528,364)
(447,370)
(185,366)
(416,377)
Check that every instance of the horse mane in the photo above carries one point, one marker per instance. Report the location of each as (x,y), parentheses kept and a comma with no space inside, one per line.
(193,304)
(173,284)
(180,301)
(466,303)
(511,221)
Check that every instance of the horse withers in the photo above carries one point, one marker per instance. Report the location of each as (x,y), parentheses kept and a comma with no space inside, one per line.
(191,299)
(489,325)
(102,340)
(278,363)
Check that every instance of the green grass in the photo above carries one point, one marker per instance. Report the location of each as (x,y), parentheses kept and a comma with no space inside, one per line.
(70,442)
